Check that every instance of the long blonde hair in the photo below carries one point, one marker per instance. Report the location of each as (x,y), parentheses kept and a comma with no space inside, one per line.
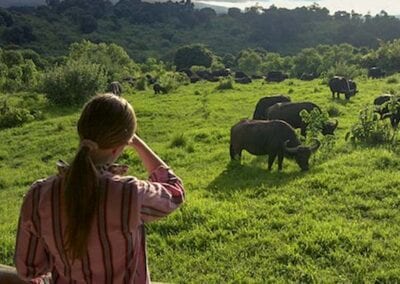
(109,121)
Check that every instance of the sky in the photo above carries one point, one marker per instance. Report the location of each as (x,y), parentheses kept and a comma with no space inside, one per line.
(392,7)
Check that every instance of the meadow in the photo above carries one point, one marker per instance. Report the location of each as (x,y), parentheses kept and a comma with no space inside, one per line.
(338,222)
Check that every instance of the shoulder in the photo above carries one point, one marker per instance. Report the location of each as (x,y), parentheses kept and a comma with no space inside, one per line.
(40,186)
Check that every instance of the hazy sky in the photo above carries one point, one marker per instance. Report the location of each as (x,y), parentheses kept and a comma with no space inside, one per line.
(392,7)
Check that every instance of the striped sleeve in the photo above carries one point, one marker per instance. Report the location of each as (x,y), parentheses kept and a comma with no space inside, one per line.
(161,195)
(31,257)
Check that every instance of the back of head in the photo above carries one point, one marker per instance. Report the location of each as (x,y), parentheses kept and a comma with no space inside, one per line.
(107,122)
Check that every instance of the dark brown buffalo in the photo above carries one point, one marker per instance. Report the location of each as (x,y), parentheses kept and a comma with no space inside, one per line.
(240,74)
(273,138)
(264,103)
(376,72)
(381,107)
(290,112)
(221,73)
(276,76)
(243,80)
(340,85)
(115,88)
(158,89)
(308,76)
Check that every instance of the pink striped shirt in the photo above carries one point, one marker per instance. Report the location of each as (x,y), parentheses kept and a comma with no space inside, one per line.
(116,247)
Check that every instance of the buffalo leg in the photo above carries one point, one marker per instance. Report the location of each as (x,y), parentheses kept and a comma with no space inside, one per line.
(271,159)
(233,154)
(280,161)
(303,131)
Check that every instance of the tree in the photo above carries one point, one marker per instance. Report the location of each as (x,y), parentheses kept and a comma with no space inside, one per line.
(189,55)
(88,24)
(307,61)
(250,62)
(111,57)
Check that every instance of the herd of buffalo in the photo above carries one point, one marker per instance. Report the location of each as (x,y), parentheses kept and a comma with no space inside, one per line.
(271,131)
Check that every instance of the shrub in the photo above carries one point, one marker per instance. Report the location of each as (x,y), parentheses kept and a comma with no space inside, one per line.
(369,129)
(172,80)
(392,80)
(333,111)
(13,116)
(225,84)
(73,83)
(315,121)
(178,141)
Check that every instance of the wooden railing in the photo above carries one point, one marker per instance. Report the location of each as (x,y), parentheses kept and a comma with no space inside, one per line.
(8,275)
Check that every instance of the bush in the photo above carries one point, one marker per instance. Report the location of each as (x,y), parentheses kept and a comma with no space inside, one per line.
(392,80)
(13,116)
(315,121)
(73,83)
(172,80)
(225,84)
(178,141)
(333,111)
(369,129)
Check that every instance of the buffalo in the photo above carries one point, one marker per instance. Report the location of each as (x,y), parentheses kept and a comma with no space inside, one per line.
(308,76)
(341,85)
(273,138)
(243,80)
(240,74)
(158,89)
(381,107)
(376,72)
(150,79)
(221,73)
(115,88)
(264,103)
(290,112)
(276,76)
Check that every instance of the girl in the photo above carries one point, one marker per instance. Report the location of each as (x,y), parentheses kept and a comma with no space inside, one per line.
(85,225)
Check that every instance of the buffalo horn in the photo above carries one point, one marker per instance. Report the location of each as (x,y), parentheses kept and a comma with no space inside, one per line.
(316,145)
(292,150)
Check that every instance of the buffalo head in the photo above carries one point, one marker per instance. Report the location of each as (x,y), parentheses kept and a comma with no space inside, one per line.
(302,153)
(330,127)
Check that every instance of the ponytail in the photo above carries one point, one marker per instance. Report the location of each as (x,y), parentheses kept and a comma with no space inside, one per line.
(106,122)
(81,201)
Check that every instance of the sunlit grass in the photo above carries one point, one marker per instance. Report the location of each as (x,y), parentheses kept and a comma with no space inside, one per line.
(338,222)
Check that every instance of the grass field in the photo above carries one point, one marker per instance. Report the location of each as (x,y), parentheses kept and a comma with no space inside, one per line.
(338,222)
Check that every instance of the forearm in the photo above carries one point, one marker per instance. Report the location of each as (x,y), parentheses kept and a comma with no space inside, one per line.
(149,159)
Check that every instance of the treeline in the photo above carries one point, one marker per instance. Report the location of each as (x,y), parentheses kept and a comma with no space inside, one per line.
(158,29)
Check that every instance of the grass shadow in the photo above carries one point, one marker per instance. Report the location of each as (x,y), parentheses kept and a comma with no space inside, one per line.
(237,177)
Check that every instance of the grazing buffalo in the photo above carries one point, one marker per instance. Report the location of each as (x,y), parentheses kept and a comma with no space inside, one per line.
(243,80)
(115,88)
(130,80)
(381,104)
(376,72)
(308,76)
(272,138)
(240,74)
(150,79)
(276,76)
(341,85)
(290,112)
(194,78)
(264,103)
(158,89)
(221,73)
(203,74)
(187,71)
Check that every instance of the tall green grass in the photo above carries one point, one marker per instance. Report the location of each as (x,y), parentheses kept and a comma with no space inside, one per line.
(338,222)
